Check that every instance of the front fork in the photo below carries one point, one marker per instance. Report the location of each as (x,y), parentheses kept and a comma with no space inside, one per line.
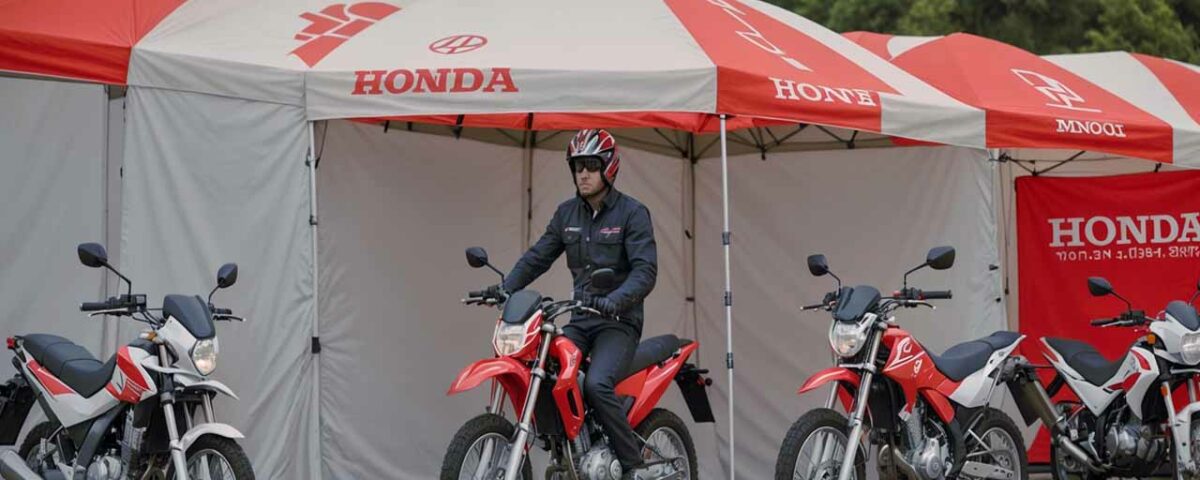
(860,407)
(1181,427)
(168,404)
(516,453)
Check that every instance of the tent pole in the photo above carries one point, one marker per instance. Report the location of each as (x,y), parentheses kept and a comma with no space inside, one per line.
(726,236)
(527,188)
(314,444)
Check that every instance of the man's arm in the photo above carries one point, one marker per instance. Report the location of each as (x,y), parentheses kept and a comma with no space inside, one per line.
(538,259)
(643,260)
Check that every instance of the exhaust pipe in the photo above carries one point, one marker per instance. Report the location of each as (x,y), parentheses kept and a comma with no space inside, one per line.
(1034,404)
(13,467)
(898,460)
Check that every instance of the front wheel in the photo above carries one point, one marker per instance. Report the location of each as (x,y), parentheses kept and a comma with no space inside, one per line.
(667,439)
(815,447)
(995,447)
(216,457)
(480,450)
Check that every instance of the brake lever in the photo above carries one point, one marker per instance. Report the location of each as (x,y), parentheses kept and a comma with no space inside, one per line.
(234,318)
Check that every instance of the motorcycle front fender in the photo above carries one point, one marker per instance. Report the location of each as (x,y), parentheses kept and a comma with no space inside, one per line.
(218,429)
(511,374)
(846,379)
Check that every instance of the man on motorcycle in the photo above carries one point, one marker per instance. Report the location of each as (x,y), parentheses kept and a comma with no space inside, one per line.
(600,227)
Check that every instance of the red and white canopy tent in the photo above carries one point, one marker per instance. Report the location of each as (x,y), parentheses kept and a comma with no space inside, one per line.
(1127,104)
(697,67)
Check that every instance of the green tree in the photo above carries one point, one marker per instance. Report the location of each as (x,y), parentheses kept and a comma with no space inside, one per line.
(1166,28)
(1147,26)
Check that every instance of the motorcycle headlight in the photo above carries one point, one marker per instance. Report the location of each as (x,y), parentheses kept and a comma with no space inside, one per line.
(510,338)
(204,356)
(1190,348)
(847,339)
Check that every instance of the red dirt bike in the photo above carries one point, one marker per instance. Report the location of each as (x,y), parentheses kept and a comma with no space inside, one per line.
(928,414)
(530,350)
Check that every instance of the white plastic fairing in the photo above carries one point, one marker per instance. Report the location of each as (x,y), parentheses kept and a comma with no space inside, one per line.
(976,390)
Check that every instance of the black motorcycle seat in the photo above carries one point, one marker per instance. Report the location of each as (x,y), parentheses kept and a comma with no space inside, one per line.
(1086,360)
(654,350)
(71,363)
(960,361)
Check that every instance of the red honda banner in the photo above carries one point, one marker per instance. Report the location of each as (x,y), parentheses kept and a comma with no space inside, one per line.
(1141,232)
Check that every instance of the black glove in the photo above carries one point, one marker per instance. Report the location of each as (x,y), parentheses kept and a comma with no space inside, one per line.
(604,305)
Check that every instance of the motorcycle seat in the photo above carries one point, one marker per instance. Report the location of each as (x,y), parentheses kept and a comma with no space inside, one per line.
(654,350)
(71,363)
(960,361)
(1085,359)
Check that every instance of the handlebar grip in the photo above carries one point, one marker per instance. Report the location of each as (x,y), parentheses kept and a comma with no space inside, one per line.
(93,306)
(477,294)
(222,311)
(937,295)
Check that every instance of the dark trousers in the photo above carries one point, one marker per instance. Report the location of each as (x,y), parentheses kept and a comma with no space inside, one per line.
(611,345)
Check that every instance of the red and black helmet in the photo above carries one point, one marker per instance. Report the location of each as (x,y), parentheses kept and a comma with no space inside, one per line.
(596,143)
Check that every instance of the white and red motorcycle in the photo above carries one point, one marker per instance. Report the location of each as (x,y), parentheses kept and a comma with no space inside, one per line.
(146,413)
(1126,422)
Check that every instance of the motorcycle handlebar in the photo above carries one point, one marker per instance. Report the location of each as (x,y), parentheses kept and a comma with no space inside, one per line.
(1101,322)
(222,311)
(94,306)
(937,294)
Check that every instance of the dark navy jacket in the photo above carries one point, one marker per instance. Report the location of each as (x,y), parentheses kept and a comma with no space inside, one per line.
(620,237)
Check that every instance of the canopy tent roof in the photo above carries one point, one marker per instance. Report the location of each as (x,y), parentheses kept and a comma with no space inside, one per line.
(88,41)
(670,64)
(1117,102)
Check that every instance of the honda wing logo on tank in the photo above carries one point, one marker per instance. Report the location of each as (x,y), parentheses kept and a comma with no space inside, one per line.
(336,24)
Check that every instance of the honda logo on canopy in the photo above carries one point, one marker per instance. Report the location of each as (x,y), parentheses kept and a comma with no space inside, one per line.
(456,44)
(1060,95)
(334,25)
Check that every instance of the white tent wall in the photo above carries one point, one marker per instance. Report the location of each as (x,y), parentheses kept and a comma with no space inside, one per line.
(397,211)
(209,180)
(874,213)
(52,197)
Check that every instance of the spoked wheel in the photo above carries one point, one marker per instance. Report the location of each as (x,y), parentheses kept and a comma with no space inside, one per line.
(667,441)
(1066,467)
(995,449)
(480,451)
(216,458)
(37,459)
(814,448)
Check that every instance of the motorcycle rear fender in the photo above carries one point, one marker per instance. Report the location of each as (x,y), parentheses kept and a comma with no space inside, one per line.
(845,378)
(218,429)
(511,374)
(648,386)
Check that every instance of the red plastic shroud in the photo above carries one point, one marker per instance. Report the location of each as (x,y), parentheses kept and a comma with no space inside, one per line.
(908,365)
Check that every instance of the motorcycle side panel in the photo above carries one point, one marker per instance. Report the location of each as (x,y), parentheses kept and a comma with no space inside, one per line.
(1096,398)
(69,407)
(976,390)
(654,383)
(131,383)
(847,381)
(510,373)
(910,367)
(567,395)
(1144,381)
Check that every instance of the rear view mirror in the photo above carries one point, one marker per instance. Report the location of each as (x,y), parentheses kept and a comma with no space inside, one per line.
(817,265)
(477,257)
(92,255)
(940,258)
(227,275)
(1099,287)
(604,279)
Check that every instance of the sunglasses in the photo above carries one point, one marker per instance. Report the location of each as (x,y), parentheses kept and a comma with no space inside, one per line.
(590,163)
